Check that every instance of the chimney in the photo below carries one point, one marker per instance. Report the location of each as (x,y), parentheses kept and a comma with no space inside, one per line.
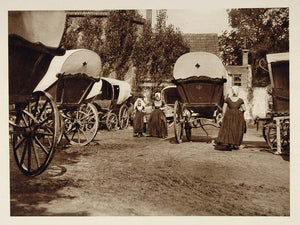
(149,16)
(245,53)
(245,57)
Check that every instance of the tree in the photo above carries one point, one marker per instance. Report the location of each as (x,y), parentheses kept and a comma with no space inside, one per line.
(121,35)
(84,35)
(261,30)
(112,38)
(156,52)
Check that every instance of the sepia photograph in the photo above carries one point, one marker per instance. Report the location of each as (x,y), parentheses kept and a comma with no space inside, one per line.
(146,112)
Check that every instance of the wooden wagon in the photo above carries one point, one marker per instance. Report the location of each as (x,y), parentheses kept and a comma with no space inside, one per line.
(199,78)
(276,130)
(112,99)
(69,80)
(34,37)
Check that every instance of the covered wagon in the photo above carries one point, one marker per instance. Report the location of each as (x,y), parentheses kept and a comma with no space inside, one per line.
(200,79)
(34,38)
(112,99)
(69,80)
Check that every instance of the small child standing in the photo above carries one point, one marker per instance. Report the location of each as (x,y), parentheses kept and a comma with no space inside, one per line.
(138,121)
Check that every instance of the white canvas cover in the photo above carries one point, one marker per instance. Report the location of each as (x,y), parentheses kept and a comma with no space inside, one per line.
(46,27)
(124,89)
(199,64)
(96,89)
(72,62)
(277,57)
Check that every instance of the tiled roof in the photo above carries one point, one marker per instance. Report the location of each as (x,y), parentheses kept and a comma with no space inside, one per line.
(203,42)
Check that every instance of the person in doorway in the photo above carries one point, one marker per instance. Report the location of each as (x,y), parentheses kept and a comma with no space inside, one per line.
(233,124)
(158,121)
(138,120)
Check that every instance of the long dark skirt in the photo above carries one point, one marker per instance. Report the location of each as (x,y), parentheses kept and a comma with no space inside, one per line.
(158,124)
(138,122)
(232,128)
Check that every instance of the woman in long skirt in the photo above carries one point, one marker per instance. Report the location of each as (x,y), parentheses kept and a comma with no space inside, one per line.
(158,121)
(138,121)
(233,125)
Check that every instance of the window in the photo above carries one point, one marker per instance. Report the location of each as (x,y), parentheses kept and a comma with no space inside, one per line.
(236,80)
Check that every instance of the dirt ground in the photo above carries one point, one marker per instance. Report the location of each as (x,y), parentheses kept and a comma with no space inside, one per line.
(122,175)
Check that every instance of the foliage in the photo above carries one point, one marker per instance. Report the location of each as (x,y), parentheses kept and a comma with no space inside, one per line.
(121,34)
(84,35)
(230,43)
(119,43)
(261,30)
(156,52)
(113,40)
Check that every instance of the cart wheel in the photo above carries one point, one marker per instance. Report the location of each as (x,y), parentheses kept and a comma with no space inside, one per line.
(111,121)
(178,122)
(218,119)
(285,134)
(61,127)
(265,132)
(81,126)
(271,135)
(188,131)
(123,117)
(35,134)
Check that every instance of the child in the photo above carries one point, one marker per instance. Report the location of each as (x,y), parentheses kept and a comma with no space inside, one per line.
(138,121)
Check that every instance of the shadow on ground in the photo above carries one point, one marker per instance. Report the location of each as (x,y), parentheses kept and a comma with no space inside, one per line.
(29,194)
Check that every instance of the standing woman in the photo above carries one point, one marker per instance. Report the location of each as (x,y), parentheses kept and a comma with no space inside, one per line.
(138,120)
(233,125)
(158,121)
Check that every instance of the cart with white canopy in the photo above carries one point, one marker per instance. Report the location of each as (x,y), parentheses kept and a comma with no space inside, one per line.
(200,78)
(112,99)
(34,38)
(276,130)
(69,80)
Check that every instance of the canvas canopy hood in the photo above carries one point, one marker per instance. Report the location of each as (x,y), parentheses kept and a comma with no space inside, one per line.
(199,64)
(72,62)
(46,27)
(123,87)
(277,57)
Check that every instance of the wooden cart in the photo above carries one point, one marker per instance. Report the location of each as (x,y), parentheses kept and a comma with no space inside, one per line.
(112,99)
(34,37)
(69,80)
(276,130)
(200,78)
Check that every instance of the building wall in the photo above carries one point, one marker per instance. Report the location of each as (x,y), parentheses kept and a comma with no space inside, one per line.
(243,70)
(260,102)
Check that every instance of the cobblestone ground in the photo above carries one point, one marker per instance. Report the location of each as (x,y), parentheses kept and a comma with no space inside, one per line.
(122,175)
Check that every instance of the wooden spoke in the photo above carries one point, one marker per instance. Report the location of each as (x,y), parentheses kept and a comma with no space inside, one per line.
(24,153)
(41,145)
(36,155)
